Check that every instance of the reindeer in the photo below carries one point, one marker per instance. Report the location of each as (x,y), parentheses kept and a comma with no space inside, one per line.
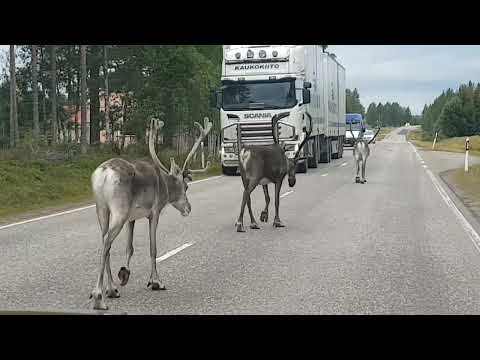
(126,191)
(264,164)
(361,152)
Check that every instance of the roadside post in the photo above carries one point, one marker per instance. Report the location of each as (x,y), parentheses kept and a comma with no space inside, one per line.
(434,141)
(205,125)
(467,147)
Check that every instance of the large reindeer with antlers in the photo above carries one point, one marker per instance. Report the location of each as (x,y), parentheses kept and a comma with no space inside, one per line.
(264,164)
(126,191)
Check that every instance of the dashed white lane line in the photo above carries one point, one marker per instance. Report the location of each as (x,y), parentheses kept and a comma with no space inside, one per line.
(345,163)
(473,235)
(324,174)
(82,208)
(174,251)
(286,194)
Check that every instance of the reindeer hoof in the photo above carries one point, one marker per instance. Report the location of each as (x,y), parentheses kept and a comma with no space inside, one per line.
(278,224)
(357,180)
(113,293)
(254,226)
(123,275)
(98,303)
(156,286)
(240,228)
(264,216)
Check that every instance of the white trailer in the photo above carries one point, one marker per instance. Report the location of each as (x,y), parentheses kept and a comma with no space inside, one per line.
(259,81)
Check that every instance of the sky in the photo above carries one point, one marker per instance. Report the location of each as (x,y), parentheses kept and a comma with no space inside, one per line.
(410,75)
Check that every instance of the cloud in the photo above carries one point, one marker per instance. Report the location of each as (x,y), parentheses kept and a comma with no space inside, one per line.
(409,75)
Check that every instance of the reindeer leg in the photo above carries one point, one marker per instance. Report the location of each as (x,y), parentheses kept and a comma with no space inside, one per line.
(253,223)
(277,222)
(264,214)
(246,195)
(111,291)
(154,279)
(364,164)
(124,273)
(116,225)
(358,161)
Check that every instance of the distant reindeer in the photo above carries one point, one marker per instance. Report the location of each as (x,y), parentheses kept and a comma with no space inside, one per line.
(264,164)
(361,152)
(126,191)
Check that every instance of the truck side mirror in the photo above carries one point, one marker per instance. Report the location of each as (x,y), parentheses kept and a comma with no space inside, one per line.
(306,96)
(307,84)
(213,99)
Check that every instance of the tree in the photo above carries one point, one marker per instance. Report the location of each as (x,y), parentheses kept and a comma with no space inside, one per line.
(53,62)
(14,136)
(36,127)
(452,120)
(83,101)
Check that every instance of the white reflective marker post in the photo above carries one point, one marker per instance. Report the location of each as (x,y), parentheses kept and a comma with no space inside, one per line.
(434,141)
(467,147)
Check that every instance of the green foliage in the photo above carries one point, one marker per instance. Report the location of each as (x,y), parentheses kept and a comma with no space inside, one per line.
(173,81)
(353,104)
(454,113)
(389,115)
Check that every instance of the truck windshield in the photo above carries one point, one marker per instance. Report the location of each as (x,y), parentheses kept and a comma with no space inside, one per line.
(259,95)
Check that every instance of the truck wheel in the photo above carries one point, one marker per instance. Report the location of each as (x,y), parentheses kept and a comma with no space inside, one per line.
(301,167)
(229,171)
(312,160)
(324,151)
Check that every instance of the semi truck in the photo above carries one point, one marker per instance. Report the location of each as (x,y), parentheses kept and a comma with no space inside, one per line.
(259,81)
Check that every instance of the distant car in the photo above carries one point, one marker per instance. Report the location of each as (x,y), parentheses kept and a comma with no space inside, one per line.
(368,135)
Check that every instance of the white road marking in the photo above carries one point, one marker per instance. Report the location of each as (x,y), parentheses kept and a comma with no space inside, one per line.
(324,174)
(424,166)
(345,163)
(174,251)
(473,235)
(286,194)
(81,208)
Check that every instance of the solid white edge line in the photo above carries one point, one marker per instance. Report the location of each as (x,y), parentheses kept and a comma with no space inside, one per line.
(82,208)
(473,235)
(174,251)
(324,174)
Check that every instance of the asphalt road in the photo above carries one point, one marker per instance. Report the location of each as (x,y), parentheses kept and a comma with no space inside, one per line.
(390,246)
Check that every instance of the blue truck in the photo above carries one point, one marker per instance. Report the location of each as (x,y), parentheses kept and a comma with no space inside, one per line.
(355,122)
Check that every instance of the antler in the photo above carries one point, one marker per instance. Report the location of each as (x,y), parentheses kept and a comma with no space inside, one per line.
(154,127)
(203,134)
(351,132)
(375,135)
(307,137)
(275,119)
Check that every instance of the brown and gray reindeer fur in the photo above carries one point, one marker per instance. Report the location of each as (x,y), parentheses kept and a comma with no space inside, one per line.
(126,191)
(264,164)
(361,152)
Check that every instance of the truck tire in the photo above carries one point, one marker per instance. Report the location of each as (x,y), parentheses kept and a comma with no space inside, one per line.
(340,153)
(302,167)
(229,171)
(326,150)
(312,159)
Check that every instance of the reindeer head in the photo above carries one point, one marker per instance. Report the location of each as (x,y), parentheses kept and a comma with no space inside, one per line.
(178,177)
(292,163)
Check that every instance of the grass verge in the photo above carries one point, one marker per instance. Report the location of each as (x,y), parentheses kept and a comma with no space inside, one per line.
(34,185)
(455,144)
(466,185)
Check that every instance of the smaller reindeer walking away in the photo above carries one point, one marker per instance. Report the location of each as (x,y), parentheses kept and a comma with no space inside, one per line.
(264,164)
(126,191)
(361,152)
